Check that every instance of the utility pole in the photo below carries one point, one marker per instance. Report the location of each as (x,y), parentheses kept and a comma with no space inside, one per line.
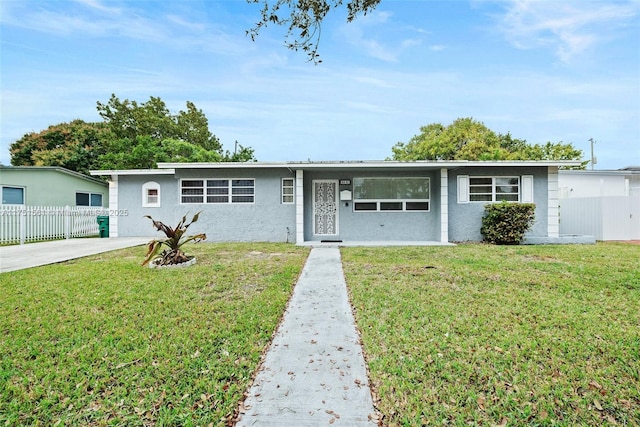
(594,160)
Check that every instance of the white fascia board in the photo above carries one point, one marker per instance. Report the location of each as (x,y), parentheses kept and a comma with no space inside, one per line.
(135,172)
(614,172)
(436,164)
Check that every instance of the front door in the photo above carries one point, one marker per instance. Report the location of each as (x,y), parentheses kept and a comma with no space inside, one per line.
(325,207)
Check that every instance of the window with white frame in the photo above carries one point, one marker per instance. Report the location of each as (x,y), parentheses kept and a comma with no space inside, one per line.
(88,199)
(401,194)
(234,191)
(12,195)
(150,195)
(287,190)
(494,189)
(488,189)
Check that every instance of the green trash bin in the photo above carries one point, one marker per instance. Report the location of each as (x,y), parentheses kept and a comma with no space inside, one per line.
(103,225)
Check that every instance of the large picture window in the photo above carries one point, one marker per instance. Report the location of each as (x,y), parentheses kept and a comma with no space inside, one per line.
(494,189)
(218,190)
(391,194)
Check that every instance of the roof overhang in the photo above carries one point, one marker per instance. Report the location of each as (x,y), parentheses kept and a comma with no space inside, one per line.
(373,164)
(134,172)
(60,169)
(170,168)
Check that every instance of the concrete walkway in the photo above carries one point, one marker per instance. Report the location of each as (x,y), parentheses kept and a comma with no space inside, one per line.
(314,373)
(18,257)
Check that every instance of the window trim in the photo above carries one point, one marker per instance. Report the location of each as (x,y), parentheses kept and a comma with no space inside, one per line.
(494,193)
(15,187)
(90,197)
(380,202)
(293,190)
(230,195)
(151,185)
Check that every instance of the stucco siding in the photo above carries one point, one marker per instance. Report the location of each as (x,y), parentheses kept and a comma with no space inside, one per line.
(48,187)
(368,226)
(465,219)
(265,220)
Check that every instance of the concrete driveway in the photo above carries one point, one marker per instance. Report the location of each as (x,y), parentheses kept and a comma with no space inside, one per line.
(18,257)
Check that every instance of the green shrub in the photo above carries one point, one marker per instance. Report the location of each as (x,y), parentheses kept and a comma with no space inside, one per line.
(505,223)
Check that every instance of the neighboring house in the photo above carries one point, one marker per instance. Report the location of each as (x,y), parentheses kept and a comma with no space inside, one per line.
(50,186)
(348,201)
(602,203)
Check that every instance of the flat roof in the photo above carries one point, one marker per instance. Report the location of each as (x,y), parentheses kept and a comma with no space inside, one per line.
(170,168)
(134,172)
(54,169)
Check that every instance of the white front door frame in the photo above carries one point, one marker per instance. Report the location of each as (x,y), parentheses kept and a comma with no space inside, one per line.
(325,207)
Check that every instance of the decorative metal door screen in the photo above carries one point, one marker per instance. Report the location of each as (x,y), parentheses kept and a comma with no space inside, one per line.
(325,208)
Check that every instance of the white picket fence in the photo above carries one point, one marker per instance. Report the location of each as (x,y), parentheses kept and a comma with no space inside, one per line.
(23,224)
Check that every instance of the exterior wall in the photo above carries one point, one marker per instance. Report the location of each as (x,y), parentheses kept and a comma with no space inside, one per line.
(574,184)
(465,219)
(367,226)
(604,204)
(50,187)
(265,220)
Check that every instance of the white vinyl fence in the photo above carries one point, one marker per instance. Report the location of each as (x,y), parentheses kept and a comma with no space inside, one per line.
(606,218)
(22,224)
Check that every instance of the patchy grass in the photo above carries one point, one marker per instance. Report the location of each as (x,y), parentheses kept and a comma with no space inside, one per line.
(104,341)
(501,335)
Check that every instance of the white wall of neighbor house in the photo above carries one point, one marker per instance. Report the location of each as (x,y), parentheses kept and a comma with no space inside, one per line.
(575,184)
(603,204)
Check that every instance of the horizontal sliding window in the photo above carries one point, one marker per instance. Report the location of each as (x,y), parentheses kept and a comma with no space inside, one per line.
(392,194)
(218,191)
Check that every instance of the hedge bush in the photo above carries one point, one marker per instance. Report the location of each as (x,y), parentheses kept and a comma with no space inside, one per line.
(505,223)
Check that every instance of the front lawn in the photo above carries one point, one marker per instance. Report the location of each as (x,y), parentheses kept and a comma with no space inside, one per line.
(501,335)
(103,341)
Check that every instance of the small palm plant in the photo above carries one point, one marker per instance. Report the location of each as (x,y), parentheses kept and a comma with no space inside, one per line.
(174,241)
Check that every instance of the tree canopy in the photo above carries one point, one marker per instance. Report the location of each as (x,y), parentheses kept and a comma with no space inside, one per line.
(133,135)
(469,139)
(76,145)
(303,20)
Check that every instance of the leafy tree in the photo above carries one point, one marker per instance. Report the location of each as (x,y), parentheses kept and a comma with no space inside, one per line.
(303,19)
(468,139)
(128,119)
(75,145)
(132,136)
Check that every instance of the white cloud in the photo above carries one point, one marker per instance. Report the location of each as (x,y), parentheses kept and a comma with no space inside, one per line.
(570,28)
(379,37)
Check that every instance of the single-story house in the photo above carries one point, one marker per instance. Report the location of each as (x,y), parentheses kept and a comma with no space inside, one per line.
(50,186)
(337,201)
(602,203)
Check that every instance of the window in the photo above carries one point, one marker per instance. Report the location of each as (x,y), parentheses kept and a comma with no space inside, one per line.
(494,189)
(218,190)
(287,190)
(150,195)
(12,196)
(88,199)
(391,194)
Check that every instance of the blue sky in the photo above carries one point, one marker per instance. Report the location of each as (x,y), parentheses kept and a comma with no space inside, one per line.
(541,70)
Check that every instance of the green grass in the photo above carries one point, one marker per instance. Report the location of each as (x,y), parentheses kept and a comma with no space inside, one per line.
(490,335)
(104,341)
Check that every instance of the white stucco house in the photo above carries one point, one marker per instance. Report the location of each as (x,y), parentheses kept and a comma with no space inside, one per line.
(336,201)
